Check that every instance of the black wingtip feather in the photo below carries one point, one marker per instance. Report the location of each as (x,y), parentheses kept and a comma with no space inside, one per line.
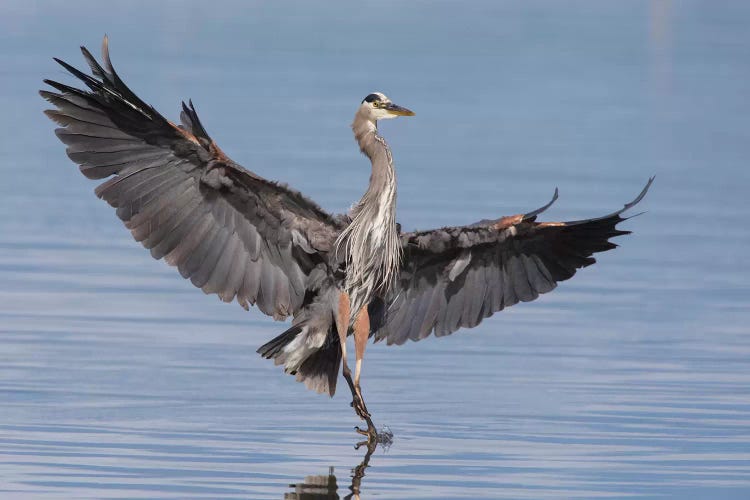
(67,89)
(534,213)
(616,214)
(92,83)
(96,68)
(191,120)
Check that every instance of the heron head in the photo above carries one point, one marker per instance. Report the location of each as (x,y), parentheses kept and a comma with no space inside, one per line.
(377,106)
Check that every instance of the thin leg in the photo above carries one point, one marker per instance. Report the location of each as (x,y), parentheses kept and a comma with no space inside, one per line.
(342,326)
(361,335)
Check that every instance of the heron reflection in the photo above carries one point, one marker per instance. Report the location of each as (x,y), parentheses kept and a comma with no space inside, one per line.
(325,487)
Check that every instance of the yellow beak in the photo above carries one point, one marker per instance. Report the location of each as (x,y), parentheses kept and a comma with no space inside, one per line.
(397,110)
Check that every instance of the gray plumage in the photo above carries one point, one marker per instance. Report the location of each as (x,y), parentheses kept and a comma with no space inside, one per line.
(455,277)
(371,244)
(244,238)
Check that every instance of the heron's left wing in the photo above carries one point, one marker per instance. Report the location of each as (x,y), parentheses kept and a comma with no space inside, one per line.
(230,231)
(455,277)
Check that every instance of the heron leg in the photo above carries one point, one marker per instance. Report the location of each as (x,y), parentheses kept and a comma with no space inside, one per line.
(361,335)
(342,326)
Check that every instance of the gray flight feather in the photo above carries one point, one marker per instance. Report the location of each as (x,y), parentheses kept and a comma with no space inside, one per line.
(231,232)
(454,277)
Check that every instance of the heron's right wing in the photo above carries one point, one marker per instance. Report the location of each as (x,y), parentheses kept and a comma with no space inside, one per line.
(454,277)
(230,231)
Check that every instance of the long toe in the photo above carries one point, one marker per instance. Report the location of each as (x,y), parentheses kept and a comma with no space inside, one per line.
(370,432)
(361,401)
(362,431)
(359,407)
(362,411)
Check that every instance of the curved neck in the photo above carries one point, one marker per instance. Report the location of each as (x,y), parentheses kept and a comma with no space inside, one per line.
(383,177)
(373,248)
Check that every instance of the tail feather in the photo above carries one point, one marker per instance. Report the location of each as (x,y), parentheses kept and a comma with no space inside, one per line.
(313,356)
(320,371)
(271,349)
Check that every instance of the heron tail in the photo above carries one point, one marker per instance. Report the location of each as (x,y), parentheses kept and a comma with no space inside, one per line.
(312,355)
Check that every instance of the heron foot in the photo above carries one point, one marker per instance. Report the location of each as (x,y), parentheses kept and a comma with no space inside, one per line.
(360,409)
(370,444)
(371,433)
(374,438)
(358,403)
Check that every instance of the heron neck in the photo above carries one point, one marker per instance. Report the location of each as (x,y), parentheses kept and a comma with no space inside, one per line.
(373,248)
(383,176)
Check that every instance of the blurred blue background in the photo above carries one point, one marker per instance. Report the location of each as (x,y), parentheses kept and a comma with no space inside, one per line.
(120,380)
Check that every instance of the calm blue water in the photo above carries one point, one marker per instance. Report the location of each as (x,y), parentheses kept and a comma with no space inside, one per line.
(119,380)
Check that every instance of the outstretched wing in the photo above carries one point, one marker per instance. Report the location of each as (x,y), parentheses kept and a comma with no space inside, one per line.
(455,277)
(230,231)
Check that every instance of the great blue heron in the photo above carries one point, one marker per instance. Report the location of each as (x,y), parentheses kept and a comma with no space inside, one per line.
(240,236)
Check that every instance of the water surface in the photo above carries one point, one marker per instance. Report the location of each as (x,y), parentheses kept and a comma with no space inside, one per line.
(119,380)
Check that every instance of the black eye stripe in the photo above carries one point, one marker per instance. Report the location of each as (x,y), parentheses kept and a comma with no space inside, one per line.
(371,98)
